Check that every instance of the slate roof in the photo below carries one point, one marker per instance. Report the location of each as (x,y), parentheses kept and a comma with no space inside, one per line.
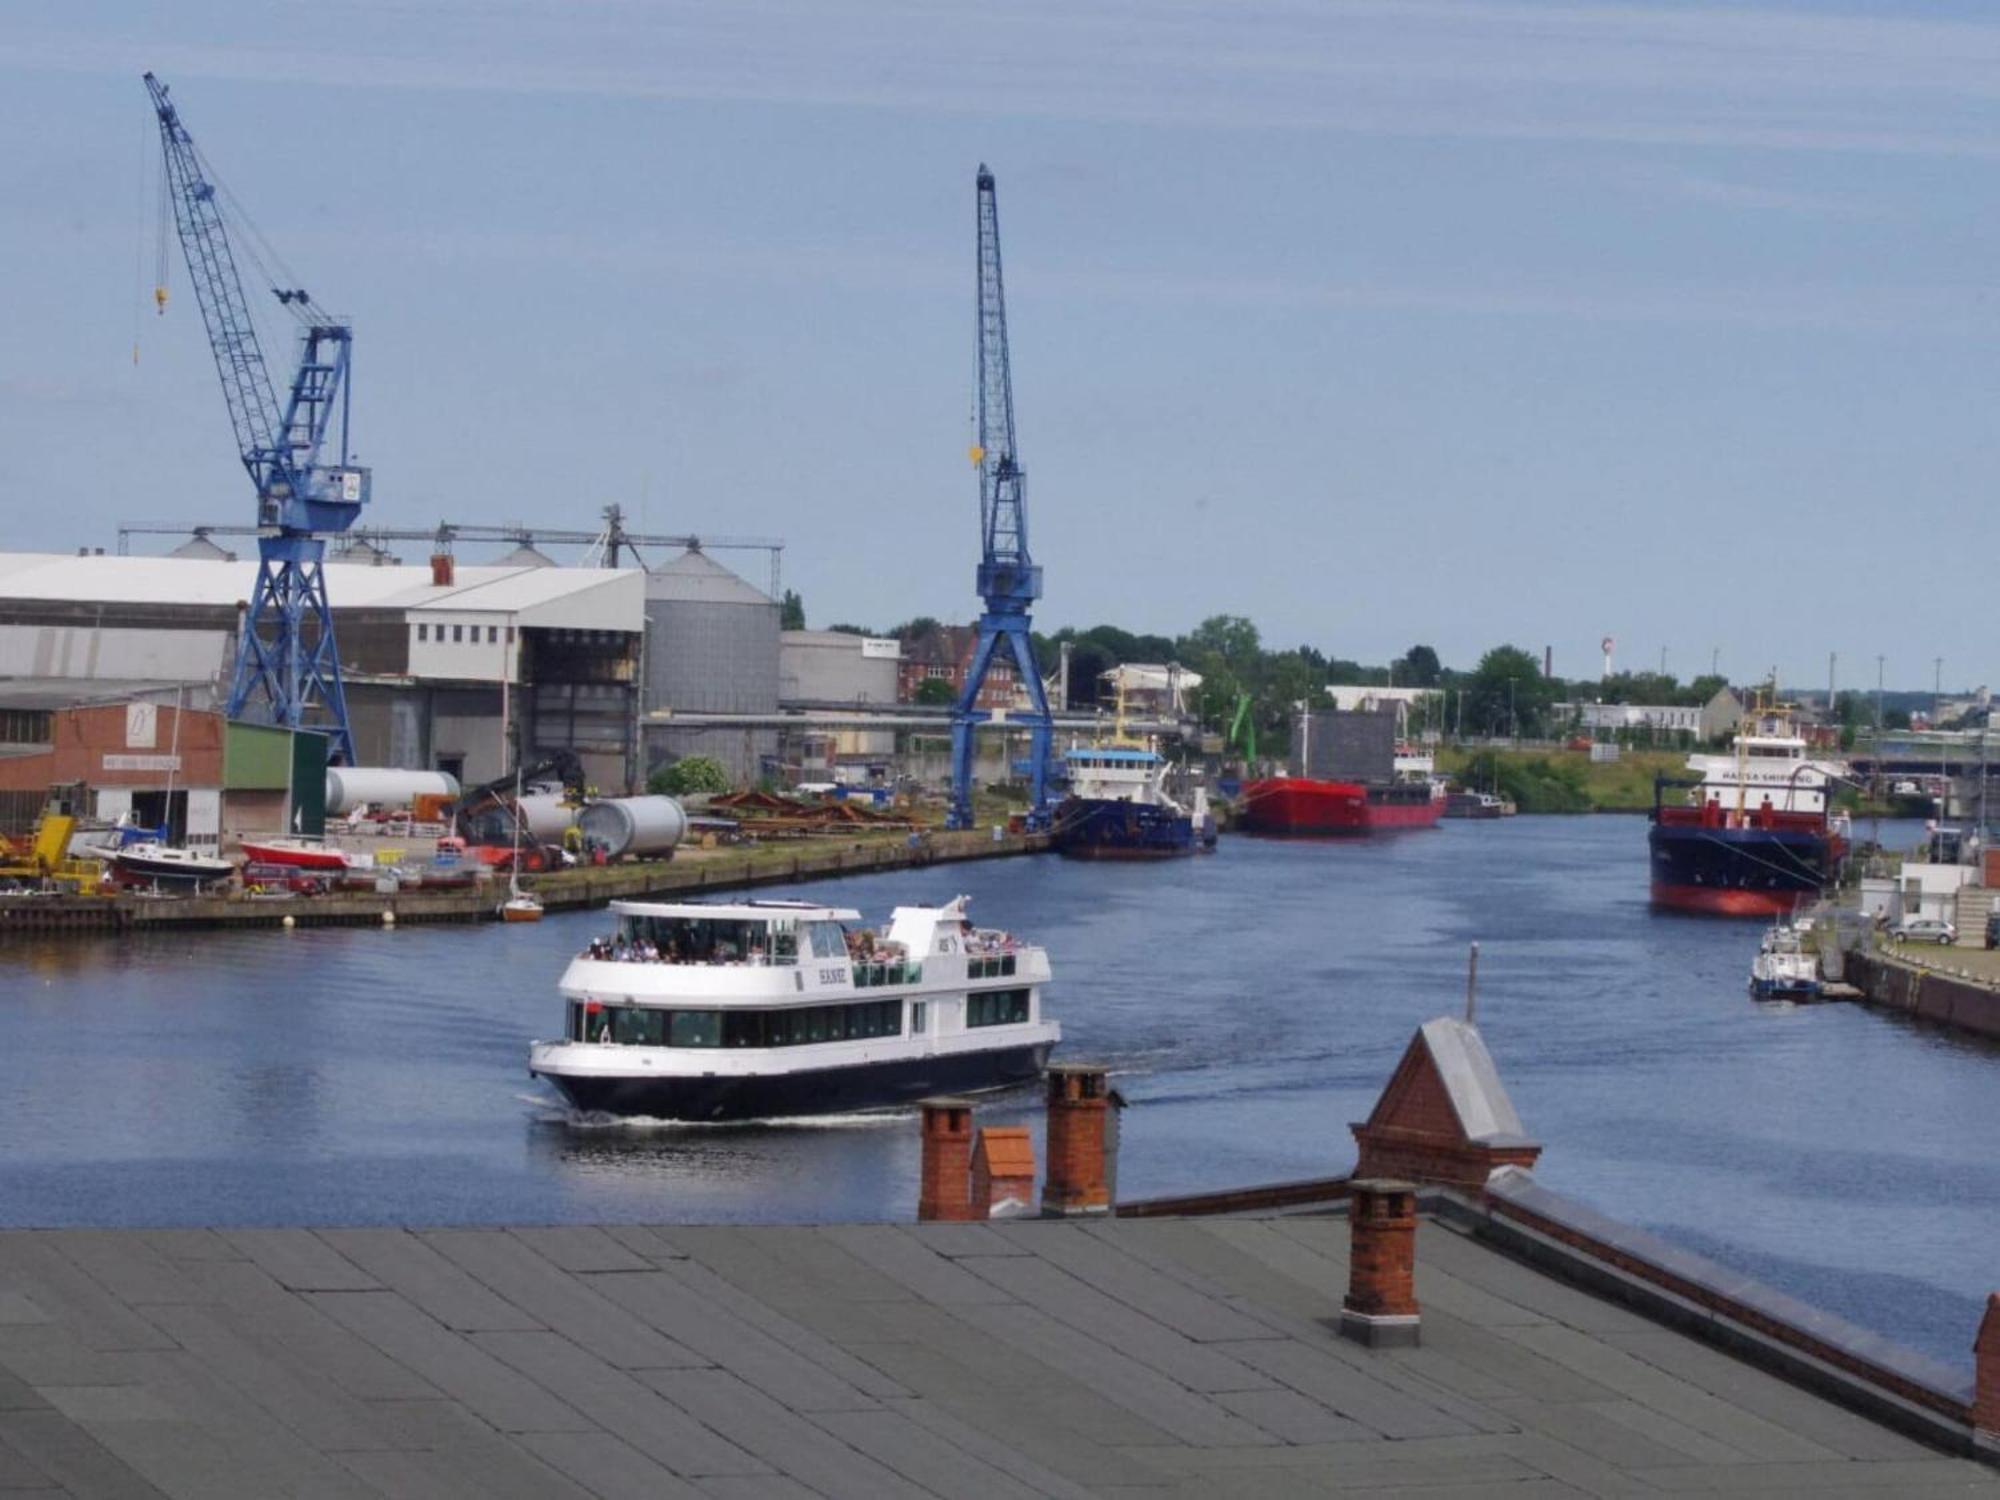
(1162,1357)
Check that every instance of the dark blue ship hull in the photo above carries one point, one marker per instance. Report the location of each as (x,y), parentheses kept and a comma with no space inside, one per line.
(1740,872)
(1087,828)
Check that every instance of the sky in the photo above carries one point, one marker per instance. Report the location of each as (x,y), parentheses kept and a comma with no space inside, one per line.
(1378,323)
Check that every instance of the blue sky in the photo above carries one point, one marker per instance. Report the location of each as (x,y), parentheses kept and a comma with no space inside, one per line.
(1378,323)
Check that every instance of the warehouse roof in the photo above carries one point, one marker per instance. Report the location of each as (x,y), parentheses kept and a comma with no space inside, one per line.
(539,595)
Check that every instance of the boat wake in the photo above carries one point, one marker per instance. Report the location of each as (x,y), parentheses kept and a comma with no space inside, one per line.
(551,1112)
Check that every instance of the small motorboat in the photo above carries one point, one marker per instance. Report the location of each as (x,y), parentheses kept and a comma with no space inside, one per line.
(150,861)
(1786,967)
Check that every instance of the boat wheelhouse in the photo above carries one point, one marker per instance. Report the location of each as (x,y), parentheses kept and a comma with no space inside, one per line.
(729,1011)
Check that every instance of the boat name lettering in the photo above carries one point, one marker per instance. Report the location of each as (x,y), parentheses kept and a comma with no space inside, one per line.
(833,976)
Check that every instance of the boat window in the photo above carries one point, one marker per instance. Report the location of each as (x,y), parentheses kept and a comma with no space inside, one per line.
(919,1017)
(829,939)
(996,1008)
(695,1028)
(805,1025)
(637,1026)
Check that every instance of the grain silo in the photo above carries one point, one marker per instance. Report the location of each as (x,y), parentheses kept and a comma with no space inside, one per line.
(711,648)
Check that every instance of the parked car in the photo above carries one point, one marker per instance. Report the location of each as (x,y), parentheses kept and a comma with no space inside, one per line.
(1993,930)
(1923,930)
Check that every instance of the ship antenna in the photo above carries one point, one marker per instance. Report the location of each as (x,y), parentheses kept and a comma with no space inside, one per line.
(1472,986)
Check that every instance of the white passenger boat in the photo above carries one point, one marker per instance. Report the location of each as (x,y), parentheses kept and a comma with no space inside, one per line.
(700,1011)
(1786,966)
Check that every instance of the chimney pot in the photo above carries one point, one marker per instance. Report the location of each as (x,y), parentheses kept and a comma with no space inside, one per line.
(444,569)
(1381,1306)
(944,1190)
(1079,1099)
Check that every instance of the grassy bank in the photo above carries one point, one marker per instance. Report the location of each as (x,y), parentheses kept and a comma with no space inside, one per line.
(1564,781)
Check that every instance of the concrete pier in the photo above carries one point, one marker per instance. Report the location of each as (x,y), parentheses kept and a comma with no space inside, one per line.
(565,891)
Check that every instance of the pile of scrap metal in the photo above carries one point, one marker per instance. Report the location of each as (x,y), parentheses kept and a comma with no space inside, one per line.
(768,815)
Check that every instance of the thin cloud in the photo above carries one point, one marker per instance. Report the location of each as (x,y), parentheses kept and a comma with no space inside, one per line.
(1781,80)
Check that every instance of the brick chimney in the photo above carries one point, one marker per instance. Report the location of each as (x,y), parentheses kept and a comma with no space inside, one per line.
(1381,1306)
(1444,1117)
(1003,1172)
(1079,1098)
(1986,1379)
(945,1189)
(443,570)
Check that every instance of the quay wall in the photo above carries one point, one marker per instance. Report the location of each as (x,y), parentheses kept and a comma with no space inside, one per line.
(1926,993)
(567,891)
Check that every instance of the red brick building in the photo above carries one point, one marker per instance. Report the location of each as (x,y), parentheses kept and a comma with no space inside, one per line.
(945,655)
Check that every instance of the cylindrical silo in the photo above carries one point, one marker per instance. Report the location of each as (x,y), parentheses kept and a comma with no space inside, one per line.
(634,825)
(348,787)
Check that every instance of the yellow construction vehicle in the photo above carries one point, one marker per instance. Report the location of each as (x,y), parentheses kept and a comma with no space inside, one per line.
(42,859)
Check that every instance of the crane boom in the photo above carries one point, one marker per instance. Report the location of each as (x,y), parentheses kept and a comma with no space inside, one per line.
(1008,580)
(287,665)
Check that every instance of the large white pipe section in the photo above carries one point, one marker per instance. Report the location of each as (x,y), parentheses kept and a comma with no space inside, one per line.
(545,817)
(349,787)
(634,825)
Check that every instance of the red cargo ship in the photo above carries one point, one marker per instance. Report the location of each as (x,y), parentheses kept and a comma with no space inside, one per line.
(1302,807)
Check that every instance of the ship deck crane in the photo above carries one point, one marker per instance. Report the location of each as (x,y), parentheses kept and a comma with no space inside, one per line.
(1008,580)
(296,453)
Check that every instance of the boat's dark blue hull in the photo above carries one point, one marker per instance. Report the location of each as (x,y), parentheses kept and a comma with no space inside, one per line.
(1090,828)
(817,1091)
(1748,872)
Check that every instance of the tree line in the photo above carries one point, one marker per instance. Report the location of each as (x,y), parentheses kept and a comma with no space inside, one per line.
(1504,693)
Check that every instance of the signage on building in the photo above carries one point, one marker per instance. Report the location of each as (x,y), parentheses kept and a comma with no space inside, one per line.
(142,762)
(142,725)
(881,650)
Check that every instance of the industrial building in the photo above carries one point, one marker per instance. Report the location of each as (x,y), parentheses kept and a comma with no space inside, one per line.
(824,669)
(205,779)
(711,647)
(446,667)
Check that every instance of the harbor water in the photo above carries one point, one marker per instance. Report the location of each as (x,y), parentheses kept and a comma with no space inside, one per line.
(1251,1006)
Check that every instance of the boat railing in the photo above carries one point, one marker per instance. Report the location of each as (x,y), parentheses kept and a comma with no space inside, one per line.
(989,966)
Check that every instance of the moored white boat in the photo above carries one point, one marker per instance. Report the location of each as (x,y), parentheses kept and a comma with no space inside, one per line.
(1786,966)
(699,1011)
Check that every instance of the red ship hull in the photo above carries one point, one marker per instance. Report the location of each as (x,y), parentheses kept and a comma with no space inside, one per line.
(1714,901)
(1298,807)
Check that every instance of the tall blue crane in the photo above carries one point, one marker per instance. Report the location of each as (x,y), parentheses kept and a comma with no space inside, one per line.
(1009,581)
(287,665)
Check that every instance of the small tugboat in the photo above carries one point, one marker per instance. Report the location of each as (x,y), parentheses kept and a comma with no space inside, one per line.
(1785,967)
(721,1011)
(1120,807)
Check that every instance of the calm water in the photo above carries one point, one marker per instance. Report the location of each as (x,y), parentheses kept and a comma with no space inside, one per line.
(1253,1005)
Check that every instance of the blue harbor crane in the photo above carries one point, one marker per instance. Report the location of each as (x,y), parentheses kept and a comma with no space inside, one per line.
(1009,581)
(287,666)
